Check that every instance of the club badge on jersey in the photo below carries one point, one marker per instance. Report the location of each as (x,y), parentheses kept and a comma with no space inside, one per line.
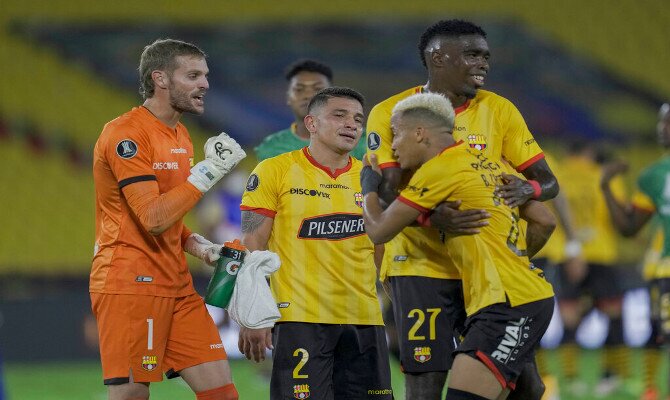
(477,142)
(358,199)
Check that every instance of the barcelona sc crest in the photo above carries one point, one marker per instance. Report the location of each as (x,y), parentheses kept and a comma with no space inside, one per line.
(477,142)
(301,391)
(149,363)
(358,199)
(422,354)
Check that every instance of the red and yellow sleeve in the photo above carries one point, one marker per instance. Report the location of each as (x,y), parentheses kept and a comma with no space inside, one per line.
(263,188)
(519,145)
(380,135)
(428,187)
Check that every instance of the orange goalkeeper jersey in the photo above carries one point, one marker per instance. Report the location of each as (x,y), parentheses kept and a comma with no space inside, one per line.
(137,147)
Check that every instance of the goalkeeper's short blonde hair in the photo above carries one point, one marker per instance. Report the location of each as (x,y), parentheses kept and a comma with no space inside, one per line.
(432,106)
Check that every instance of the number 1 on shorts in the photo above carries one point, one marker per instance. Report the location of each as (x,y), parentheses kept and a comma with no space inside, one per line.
(150,333)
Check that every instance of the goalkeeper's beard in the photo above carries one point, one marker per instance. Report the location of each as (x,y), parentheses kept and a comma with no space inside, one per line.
(183,102)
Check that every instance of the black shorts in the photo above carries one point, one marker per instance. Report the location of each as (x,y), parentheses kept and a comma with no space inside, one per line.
(659,299)
(427,312)
(601,282)
(326,361)
(504,338)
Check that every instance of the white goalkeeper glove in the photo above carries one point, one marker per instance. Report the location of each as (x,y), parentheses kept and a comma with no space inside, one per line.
(205,174)
(224,151)
(199,247)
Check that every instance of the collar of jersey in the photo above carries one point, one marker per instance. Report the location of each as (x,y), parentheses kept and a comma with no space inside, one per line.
(451,146)
(325,169)
(457,110)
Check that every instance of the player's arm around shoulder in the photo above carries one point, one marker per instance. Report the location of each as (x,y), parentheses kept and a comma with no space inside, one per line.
(382,225)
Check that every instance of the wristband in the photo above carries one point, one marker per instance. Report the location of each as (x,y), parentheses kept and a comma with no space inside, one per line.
(537,189)
(424,219)
(370,180)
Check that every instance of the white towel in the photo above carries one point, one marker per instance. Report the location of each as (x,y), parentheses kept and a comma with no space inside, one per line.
(252,304)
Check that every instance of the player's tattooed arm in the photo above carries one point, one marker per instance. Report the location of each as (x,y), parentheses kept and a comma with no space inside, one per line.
(256,230)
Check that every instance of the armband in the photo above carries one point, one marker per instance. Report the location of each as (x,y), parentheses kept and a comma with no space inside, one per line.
(537,189)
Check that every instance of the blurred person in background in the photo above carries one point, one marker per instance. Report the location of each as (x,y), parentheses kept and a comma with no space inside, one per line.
(561,245)
(590,277)
(652,198)
(305,78)
(507,300)
(306,206)
(456,56)
(150,319)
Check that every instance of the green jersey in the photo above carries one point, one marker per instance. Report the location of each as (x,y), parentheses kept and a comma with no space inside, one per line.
(653,195)
(286,140)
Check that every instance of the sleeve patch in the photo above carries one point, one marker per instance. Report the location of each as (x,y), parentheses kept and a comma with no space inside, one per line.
(126,149)
(252,182)
(374,141)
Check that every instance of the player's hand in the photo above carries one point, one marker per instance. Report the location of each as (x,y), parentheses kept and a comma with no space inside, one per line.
(371,174)
(198,246)
(448,218)
(224,152)
(610,170)
(253,342)
(515,191)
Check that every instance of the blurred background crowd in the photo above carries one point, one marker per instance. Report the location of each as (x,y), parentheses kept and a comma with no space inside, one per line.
(582,72)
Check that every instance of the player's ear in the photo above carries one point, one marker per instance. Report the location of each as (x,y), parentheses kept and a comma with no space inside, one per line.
(160,79)
(419,134)
(310,123)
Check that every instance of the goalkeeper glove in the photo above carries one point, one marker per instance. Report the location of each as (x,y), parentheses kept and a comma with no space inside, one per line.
(224,151)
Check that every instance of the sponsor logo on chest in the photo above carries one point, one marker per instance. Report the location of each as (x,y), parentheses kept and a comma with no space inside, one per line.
(309,192)
(332,227)
(171,165)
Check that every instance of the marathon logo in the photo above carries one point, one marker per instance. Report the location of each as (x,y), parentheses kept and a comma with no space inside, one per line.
(515,334)
(333,186)
(166,165)
(332,227)
(301,391)
(309,192)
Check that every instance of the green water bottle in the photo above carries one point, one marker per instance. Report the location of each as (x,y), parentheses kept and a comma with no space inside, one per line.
(220,287)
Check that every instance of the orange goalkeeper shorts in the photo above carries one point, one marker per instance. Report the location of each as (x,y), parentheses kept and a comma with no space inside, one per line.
(143,336)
